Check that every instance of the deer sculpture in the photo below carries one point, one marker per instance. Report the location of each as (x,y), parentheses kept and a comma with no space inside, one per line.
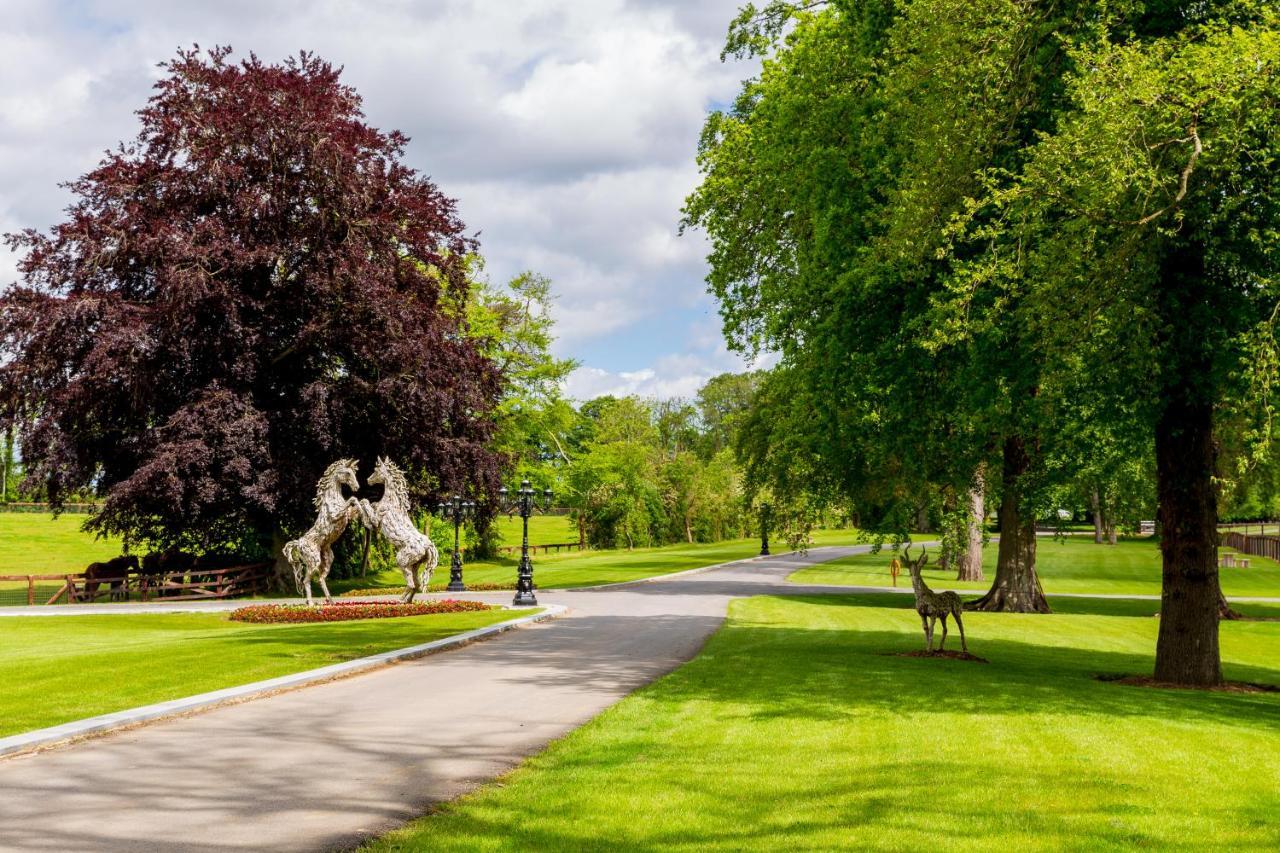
(931,605)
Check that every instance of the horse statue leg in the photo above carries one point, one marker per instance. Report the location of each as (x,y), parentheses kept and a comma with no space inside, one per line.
(326,563)
(409,569)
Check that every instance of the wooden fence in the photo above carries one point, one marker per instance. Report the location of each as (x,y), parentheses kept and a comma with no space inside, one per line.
(72,508)
(190,585)
(1257,545)
(533,549)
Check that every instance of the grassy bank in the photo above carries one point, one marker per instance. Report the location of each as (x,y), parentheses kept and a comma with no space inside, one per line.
(798,727)
(64,668)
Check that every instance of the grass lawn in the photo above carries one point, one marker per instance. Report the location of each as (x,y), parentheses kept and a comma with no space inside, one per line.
(796,728)
(63,668)
(578,568)
(36,544)
(1131,567)
(543,530)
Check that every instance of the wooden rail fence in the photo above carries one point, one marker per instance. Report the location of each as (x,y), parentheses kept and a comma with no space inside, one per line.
(190,585)
(1257,545)
(71,508)
(533,549)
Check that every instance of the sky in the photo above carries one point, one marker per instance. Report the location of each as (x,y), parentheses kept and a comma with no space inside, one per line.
(566,129)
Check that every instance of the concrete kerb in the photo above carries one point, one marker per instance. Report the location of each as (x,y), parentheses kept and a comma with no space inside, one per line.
(104,723)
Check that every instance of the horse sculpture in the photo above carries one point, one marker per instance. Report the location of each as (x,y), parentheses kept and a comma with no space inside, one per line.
(311,555)
(415,551)
(931,605)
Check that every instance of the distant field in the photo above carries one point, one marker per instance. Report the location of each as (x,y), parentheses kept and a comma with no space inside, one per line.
(1076,565)
(590,568)
(40,544)
(543,529)
(32,543)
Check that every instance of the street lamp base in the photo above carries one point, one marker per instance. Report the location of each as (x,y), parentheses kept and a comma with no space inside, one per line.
(456,586)
(764,552)
(525,599)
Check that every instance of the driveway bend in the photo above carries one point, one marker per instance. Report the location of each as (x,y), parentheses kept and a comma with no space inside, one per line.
(328,766)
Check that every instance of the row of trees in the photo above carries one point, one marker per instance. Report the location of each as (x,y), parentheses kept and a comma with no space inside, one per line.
(1012,246)
(642,472)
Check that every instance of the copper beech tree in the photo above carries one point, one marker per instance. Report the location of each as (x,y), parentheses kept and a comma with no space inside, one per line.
(254,286)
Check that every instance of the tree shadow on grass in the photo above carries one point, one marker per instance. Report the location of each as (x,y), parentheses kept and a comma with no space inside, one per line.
(738,750)
(754,670)
(890,804)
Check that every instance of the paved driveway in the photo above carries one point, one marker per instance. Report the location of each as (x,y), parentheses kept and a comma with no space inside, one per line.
(328,766)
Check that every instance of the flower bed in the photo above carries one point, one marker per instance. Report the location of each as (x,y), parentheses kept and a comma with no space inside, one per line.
(483,586)
(341,611)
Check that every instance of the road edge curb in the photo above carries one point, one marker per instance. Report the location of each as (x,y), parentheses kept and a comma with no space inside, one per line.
(39,739)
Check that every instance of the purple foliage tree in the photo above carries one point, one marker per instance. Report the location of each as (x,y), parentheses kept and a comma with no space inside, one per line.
(253,287)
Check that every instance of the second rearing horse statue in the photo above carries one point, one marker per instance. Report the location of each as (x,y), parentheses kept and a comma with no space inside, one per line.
(311,554)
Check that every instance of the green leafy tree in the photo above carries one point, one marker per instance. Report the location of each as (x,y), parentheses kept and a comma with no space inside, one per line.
(825,191)
(1153,208)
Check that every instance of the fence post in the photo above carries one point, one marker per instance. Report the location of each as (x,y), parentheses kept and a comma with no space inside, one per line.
(31,590)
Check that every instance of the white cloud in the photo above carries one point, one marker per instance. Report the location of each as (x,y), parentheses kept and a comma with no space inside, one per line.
(675,375)
(566,128)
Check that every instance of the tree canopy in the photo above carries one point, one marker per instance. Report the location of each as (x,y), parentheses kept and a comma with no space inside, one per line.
(254,286)
(975,231)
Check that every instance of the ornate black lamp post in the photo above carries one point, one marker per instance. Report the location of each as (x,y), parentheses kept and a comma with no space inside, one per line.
(456,510)
(764,529)
(524,502)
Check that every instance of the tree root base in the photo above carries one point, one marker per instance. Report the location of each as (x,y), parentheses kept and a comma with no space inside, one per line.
(943,653)
(1000,601)
(1224,687)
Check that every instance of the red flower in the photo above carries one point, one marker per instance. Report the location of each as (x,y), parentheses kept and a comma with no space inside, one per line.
(341,611)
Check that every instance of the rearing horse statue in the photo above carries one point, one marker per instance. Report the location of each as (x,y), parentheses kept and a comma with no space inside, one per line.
(415,551)
(311,554)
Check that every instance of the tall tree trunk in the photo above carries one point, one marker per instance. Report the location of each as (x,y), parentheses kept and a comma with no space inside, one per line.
(969,563)
(922,520)
(1187,647)
(1186,462)
(1111,533)
(688,529)
(1016,587)
(1097,518)
(948,507)
(8,465)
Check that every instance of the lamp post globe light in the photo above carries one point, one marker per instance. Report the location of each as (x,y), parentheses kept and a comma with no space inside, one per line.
(524,502)
(456,510)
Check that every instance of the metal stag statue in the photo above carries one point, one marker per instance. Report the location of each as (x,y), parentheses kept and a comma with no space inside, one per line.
(415,551)
(311,555)
(931,605)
